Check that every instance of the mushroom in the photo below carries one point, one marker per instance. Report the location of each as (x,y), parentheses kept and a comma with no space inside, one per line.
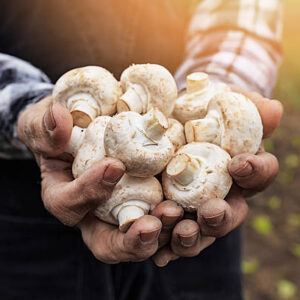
(87,93)
(232,122)
(140,142)
(131,198)
(91,148)
(147,86)
(199,91)
(198,172)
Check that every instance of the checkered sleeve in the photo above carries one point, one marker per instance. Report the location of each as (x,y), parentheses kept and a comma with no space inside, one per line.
(21,85)
(235,41)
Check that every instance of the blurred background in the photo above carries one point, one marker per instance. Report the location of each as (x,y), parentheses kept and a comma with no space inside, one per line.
(271,261)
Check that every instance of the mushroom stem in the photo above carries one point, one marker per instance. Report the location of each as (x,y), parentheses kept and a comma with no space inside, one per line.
(84,109)
(127,212)
(156,124)
(182,168)
(76,140)
(203,130)
(134,99)
(196,82)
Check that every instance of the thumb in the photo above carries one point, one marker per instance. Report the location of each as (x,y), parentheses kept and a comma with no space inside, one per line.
(70,200)
(46,128)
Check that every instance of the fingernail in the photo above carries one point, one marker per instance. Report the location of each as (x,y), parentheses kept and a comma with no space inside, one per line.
(214,220)
(189,240)
(169,220)
(148,237)
(112,175)
(49,120)
(162,264)
(241,169)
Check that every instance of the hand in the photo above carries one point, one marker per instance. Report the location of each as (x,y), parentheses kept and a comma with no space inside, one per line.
(217,217)
(46,130)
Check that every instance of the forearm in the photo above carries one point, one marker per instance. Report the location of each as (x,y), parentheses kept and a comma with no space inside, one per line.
(21,85)
(235,43)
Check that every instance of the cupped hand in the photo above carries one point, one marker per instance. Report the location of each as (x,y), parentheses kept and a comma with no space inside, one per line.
(217,217)
(46,131)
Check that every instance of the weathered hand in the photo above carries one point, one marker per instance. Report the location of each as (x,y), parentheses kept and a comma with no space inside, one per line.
(46,131)
(217,217)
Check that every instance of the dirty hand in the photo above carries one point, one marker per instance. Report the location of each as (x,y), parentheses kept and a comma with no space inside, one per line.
(217,217)
(46,131)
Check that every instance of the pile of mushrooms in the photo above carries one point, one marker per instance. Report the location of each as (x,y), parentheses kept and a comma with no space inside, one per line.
(131,120)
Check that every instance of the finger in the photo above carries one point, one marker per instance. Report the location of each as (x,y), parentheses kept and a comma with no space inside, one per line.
(216,217)
(254,172)
(163,256)
(170,213)
(110,245)
(186,240)
(46,128)
(69,200)
(270,110)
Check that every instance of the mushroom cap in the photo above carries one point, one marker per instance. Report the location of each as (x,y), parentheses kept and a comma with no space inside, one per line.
(131,188)
(93,80)
(92,148)
(158,83)
(126,139)
(192,106)
(240,122)
(211,181)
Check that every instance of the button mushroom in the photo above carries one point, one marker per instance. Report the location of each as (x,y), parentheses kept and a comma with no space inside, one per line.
(232,122)
(147,86)
(198,172)
(199,91)
(131,198)
(140,142)
(92,146)
(87,92)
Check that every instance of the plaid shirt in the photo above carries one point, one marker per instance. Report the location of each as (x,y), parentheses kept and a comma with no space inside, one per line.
(235,41)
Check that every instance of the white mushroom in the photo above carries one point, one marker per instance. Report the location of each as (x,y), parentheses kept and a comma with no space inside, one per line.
(87,92)
(198,172)
(131,198)
(147,86)
(140,142)
(92,146)
(199,91)
(232,122)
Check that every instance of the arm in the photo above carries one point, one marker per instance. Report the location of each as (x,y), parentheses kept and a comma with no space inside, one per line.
(21,85)
(237,42)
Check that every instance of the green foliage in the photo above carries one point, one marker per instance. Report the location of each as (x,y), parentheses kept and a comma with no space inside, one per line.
(294,220)
(286,289)
(269,145)
(262,224)
(295,249)
(292,161)
(295,141)
(250,266)
(274,202)
(285,177)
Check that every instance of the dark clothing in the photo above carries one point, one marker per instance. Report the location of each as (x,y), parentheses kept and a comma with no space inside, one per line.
(42,259)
